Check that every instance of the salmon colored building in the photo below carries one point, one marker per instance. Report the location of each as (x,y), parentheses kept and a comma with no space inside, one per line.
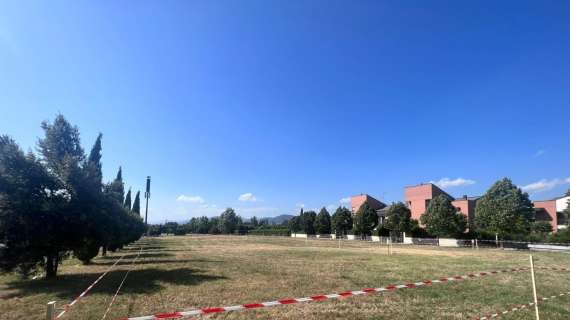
(357,201)
(551,211)
(418,198)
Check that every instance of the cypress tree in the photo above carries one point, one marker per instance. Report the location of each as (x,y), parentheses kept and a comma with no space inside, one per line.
(127,203)
(137,204)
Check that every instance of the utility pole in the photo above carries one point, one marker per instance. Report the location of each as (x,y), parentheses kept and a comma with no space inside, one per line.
(147,196)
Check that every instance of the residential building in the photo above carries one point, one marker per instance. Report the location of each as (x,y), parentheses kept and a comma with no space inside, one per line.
(552,211)
(379,206)
(418,197)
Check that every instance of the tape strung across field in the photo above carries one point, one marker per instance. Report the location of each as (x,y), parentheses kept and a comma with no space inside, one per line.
(203,311)
(69,305)
(521,307)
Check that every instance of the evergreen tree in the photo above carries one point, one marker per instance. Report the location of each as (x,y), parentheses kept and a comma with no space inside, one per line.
(342,221)
(254,221)
(31,226)
(295,224)
(441,218)
(398,218)
(127,203)
(228,221)
(504,210)
(323,222)
(308,221)
(365,221)
(137,204)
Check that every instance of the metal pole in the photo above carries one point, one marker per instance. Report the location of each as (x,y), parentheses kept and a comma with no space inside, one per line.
(50,314)
(534,288)
(147,196)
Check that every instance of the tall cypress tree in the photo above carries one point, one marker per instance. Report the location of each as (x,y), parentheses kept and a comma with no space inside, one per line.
(137,204)
(127,203)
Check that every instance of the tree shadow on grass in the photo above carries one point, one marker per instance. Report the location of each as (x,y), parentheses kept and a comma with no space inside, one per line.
(156,261)
(139,281)
(134,255)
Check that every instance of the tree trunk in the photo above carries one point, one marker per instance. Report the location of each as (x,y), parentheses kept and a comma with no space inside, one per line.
(51,265)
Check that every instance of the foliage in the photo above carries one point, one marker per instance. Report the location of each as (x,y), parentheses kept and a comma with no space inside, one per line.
(541,227)
(295,224)
(441,218)
(308,221)
(137,204)
(228,221)
(55,204)
(504,210)
(127,203)
(398,218)
(323,222)
(342,221)
(270,230)
(365,221)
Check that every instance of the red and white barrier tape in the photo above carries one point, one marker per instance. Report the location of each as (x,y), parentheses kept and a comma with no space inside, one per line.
(69,305)
(203,311)
(121,285)
(521,307)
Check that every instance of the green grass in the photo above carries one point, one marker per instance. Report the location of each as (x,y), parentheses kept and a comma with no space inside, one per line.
(181,273)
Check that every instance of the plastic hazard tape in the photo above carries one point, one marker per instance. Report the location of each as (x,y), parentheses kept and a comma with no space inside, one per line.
(69,305)
(521,307)
(204,311)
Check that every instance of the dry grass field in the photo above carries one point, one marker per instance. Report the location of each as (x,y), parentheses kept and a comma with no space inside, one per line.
(181,273)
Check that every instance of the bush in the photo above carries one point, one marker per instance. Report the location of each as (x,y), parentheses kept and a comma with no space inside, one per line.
(270,231)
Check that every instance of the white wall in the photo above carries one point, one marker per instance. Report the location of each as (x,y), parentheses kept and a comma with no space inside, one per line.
(562,204)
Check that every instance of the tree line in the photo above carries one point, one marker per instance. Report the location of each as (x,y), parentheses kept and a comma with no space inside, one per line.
(505,211)
(228,222)
(54,204)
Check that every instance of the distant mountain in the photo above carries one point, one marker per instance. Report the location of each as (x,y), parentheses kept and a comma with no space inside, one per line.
(279,219)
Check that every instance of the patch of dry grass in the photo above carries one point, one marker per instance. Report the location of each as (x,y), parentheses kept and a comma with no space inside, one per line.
(180,273)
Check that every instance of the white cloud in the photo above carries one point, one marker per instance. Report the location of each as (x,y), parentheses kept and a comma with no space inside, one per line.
(345,200)
(300,205)
(331,208)
(449,183)
(545,185)
(191,199)
(247,197)
(539,153)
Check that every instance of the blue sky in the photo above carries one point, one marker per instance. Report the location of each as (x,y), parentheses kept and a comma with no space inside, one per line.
(290,103)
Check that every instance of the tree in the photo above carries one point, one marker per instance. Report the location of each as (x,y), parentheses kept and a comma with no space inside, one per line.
(441,218)
(541,227)
(295,224)
(323,222)
(365,220)
(137,204)
(308,221)
(29,219)
(342,221)
(254,221)
(228,221)
(127,203)
(398,218)
(504,210)
(567,194)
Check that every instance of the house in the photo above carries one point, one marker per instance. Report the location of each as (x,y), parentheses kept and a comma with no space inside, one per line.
(379,206)
(552,211)
(418,197)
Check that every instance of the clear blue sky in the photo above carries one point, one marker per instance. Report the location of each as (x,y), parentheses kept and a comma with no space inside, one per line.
(296,102)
